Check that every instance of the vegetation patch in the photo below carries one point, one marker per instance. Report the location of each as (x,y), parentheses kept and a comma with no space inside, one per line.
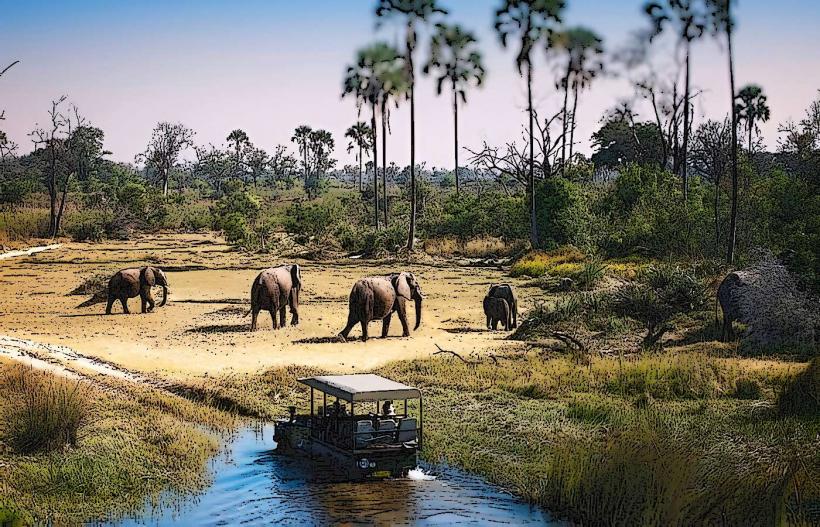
(95,453)
(537,263)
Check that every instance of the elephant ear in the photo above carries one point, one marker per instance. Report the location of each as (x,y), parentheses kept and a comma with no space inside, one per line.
(402,285)
(296,276)
(492,290)
(147,276)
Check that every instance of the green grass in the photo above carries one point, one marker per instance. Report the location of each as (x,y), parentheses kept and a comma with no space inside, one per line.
(658,439)
(134,444)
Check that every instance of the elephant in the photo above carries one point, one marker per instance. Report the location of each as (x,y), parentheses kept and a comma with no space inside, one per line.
(274,289)
(378,297)
(497,310)
(129,283)
(506,292)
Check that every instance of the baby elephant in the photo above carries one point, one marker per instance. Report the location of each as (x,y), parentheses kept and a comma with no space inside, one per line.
(497,310)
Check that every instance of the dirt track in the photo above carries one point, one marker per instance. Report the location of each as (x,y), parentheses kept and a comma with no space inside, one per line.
(202,329)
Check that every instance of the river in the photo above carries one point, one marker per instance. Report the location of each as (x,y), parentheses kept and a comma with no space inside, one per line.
(251,485)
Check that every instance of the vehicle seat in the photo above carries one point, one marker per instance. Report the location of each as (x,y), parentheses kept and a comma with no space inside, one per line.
(407,430)
(364,433)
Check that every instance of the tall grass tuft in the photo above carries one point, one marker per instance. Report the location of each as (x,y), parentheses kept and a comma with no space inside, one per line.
(43,412)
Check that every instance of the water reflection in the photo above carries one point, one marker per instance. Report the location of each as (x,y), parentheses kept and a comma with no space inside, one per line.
(252,486)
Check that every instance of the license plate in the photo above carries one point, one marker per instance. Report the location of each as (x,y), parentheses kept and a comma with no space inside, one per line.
(380,474)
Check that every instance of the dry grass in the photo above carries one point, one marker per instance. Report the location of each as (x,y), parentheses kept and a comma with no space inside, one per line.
(42,412)
(474,248)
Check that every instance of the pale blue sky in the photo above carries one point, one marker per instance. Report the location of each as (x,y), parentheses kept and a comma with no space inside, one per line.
(268,66)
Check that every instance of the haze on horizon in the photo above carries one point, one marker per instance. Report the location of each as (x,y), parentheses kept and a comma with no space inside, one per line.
(267,67)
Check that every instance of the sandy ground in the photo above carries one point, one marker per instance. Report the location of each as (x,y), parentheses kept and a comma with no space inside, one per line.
(202,329)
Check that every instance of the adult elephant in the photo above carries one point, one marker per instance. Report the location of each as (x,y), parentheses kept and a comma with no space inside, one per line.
(133,282)
(378,297)
(506,292)
(275,289)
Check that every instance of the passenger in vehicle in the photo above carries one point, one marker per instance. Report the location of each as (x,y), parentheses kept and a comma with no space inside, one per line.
(388,410)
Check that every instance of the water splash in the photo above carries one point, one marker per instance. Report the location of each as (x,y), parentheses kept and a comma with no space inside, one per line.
(417,474)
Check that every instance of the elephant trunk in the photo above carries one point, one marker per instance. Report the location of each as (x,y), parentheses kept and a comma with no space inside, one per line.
(164,283)
(418,311)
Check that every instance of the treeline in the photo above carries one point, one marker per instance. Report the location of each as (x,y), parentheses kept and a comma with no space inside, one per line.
(666,186)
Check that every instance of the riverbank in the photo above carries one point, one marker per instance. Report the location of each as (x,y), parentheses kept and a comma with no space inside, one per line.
(132,444)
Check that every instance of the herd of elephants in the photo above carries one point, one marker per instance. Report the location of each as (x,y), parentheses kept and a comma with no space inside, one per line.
(372,298)
(278,288)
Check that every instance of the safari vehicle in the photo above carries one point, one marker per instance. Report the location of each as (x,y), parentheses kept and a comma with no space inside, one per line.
(360,444)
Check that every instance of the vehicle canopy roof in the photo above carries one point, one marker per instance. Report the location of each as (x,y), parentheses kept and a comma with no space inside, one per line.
(361,387)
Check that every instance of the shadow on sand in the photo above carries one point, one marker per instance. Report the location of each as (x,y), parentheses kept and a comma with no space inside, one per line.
(335,339)
(221,328)
(465,330)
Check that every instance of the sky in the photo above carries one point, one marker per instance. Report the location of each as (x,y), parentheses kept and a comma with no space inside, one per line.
(268,66)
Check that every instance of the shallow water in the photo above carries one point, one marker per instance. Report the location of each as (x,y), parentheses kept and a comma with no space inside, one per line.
(252,486)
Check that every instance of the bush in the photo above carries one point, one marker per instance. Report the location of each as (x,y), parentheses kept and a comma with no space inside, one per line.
(561,213)
(590,274)
(748,388)
(315,219)
(44,411)
(536,263)
(802,395)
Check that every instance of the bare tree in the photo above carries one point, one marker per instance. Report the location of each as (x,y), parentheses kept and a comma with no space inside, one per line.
(167,142)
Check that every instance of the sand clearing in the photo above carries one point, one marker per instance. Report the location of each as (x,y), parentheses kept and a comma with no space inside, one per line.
(202,329)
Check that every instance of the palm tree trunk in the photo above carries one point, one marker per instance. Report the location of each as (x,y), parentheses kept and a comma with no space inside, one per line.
(455,135)
(564,121)
(360,167)
(384,159)
(730,253)
(684,165)
(375,167)
(750,138)
(572,123)
(533,223)
(411,235)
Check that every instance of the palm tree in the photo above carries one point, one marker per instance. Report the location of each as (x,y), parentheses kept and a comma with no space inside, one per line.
(238,139)
(456,59)
(531,22)
(360,136)
(584,49)
(688,22)
(752,108)
(395,83)
(301,136)
(363,81)
(413,12)
(720,14)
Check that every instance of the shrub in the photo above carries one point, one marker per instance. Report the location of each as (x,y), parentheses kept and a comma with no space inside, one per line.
(561,214)
(748,388)
(44,411)
(802,395)
(536,263)
(590,274)
(315,219)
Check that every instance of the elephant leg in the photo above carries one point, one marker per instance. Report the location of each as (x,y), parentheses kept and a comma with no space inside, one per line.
(514,314)
(364,330)
(150,299)
(124,302)
(143,302)
(489,321)
(273,313)
(402,312)
(111,299)
(386,324)
(351,321)
(294,308)
(282,316)
(495,324)
(254,315)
